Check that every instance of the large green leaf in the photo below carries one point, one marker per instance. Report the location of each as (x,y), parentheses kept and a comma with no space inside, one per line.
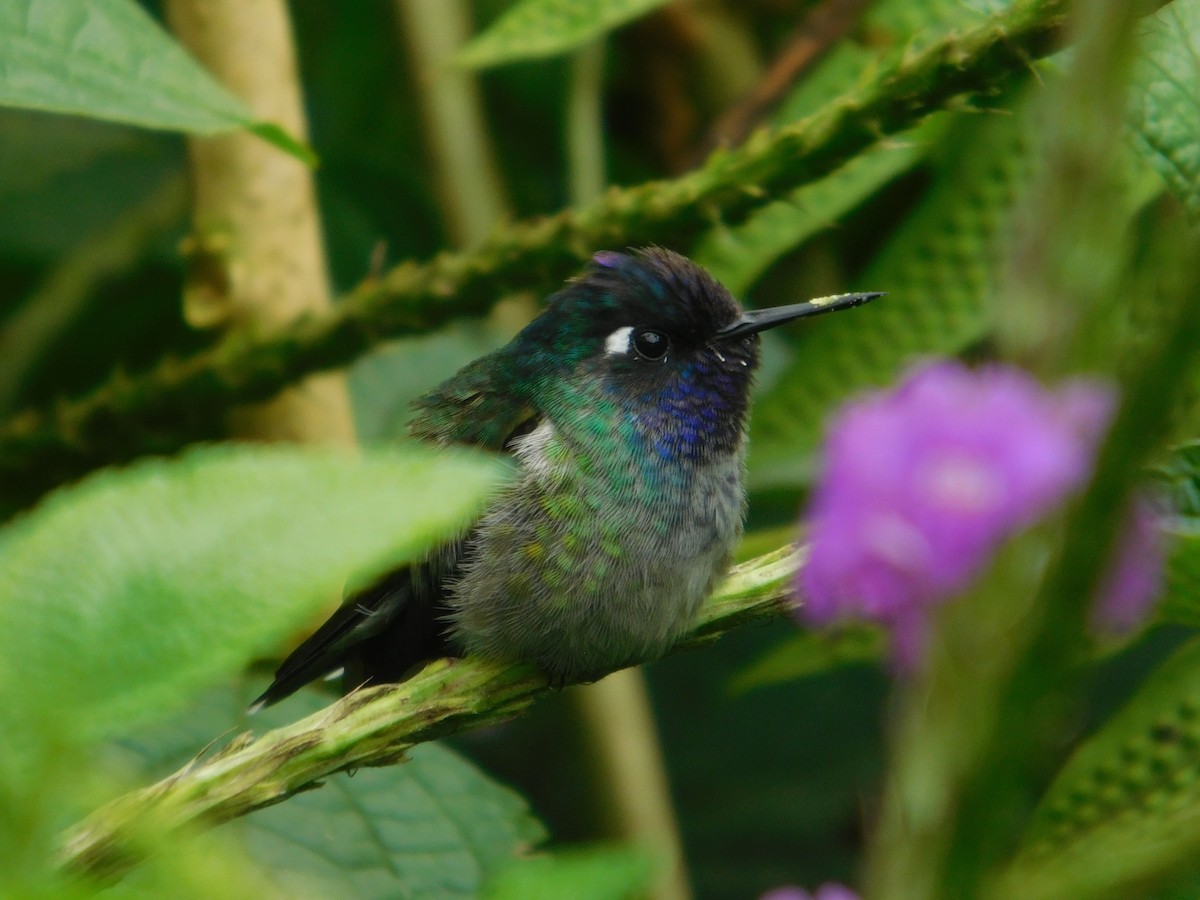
(1123,810)
(1164,111)
(590,873)
(434,826)
(108,59)
(535,28)
(124,593)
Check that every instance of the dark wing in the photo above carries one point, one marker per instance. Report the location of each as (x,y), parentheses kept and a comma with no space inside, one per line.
(474,407)
(380,634)
(377,634)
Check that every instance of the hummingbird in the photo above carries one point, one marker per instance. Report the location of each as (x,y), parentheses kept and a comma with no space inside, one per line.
(624,404)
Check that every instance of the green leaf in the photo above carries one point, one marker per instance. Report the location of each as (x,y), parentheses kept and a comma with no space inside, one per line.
(125,593)
(811,653)
(108,59)
(1181,600)
(737,257)
(938,270)
(591,873)
(1179,479)
(1164,112)
(536,28)
(434,826)
(1123,809)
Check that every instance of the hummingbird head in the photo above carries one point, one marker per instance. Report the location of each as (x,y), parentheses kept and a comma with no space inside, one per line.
(669,345)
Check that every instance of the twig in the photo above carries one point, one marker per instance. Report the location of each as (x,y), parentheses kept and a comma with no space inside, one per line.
(371,727)
(823,26)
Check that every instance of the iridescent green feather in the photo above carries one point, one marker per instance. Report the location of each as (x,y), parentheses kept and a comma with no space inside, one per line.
(472,408)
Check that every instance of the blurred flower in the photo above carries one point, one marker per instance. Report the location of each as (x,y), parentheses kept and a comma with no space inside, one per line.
(922,483)
(827,891)
(1134,576)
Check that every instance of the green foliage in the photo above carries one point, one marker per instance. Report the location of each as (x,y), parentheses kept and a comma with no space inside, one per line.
(108,59)
(536,28)
(434,826)
(592,873)
(811,653)
(1181,603)
(413,297)
(1122,812)
(125,594)
(1179,480)
(1164,114)
(133,589)
(384,384)
(938,268)
(738,257)
(121,597)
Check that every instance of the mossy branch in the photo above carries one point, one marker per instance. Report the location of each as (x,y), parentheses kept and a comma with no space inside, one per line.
(371,727)
(179,401)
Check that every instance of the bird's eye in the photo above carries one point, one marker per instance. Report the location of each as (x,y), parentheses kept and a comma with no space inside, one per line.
(651,344)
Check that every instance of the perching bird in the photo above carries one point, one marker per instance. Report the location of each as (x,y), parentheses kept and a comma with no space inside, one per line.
(625,405)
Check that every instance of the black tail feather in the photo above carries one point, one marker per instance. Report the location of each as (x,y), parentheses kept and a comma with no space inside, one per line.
(376,635)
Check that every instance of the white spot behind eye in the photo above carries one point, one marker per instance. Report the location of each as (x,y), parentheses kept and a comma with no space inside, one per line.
(618,341)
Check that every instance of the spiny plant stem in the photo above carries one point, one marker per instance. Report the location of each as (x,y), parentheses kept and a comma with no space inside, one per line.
(371,727)
(179,401)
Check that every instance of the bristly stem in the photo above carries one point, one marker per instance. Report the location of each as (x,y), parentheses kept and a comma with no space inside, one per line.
(371,727)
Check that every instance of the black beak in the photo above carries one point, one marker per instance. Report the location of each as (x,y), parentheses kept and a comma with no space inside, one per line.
(755,320)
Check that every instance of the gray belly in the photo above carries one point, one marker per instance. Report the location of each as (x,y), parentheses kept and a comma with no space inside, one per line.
(581,582)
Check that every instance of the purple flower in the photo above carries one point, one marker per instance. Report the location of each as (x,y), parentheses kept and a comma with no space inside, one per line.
(827,891)
(922,483)
(1133,579)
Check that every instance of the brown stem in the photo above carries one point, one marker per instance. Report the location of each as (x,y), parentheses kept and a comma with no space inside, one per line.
(257,258)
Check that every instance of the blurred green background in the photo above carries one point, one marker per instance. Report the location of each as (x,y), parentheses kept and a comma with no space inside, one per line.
(773,782)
